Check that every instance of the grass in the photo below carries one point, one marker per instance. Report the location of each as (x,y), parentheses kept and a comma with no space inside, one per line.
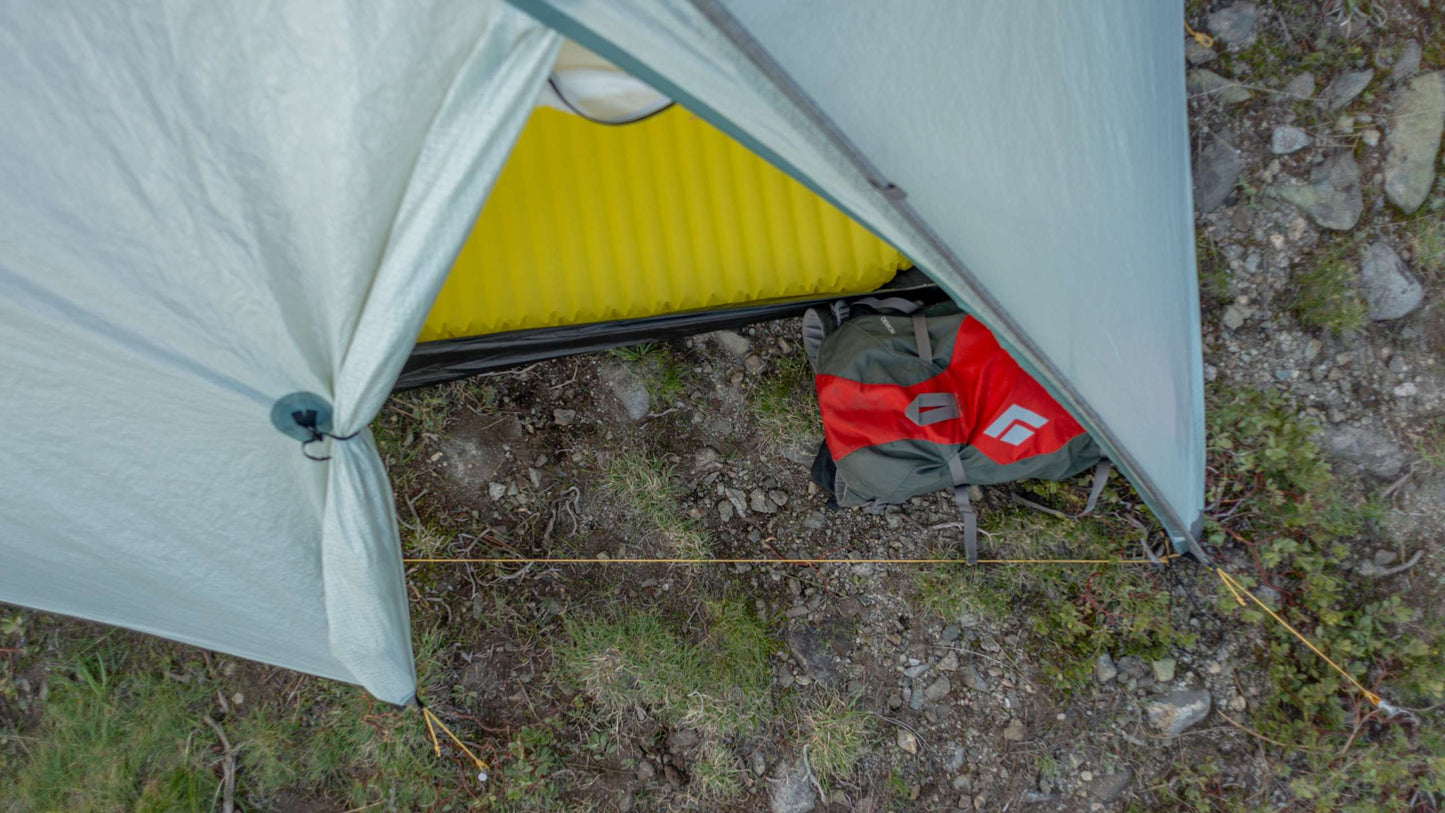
(837,735)
(646,486)
(1327,296)
(667,378)
(783,402)
(719,685)
(1427,241)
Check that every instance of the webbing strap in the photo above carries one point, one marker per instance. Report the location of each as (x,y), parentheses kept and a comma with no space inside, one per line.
(920,336)
(889,303)
(1101,477)
(965,507)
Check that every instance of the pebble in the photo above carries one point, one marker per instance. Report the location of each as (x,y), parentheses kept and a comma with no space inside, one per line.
(949,662)
(564,417)
(1286,140)
(1175,712)
(1234,24)
(1163,669)
(1016,731)
(1414,140)
(1104,668)
(1391,291)
(938,689)
(1345,88)
(1301,87)
(907,742)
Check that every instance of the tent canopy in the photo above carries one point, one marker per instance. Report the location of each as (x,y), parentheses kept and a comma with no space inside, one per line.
(206,207)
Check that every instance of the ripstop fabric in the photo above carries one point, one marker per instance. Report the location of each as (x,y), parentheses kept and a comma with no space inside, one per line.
(206,206)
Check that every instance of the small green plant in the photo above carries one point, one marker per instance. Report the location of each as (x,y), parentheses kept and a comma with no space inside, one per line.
(1213,269)
(1326,296)
(1295,523)
(718,686)
(666,377)
(836,736)
(1427,241)
(716,774)
(645,484)
(784,404)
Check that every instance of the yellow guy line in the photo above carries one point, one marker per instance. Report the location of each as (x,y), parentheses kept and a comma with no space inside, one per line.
(1203,39)
(432,719)
(1240,593)
(518,560)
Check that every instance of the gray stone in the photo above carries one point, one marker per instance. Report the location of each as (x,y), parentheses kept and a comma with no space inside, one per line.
(1016,731)
(949,662)
(1234,24)
(1301,87)
(907,742)
(734,344)
(1204,82)
(1216,170)
(779,497)
(1390,289)
(938,689)
(496,491)
(564,417)
(1196,54)
(682,740)
(758,501)
(1104,668)
(725,510)
(812,648)
(1332,198)
(1407,64)
(1286,140)
(1234,317)
(738,499)
(1345,88)
(1370,451)
(1414,140)
(755,365)
(957,756)
(1164,669)
(791,791)
(1109,787)
(629,389)
(973,680)
(949,634)
(758,762)
(1175,712)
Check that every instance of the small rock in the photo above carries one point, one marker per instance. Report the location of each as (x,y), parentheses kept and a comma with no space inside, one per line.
(1164,669)
(938,689)
(907,742)
(1407,64)
(1414,140)
(496,491)
(758,501)
(1234,24)
(1175,712)
(850,607)
(646,770)
(1109,787)
(949,663)
(1204,82)
(1234,316)
(564,417)
(629,389)
(973,680)
(733,343)
(1196,54)
(738,499)
(1389,288)
(725,510)
(1345,88)
(1286,140)
(1104,668)
(1301,87)
(758,763)
(681,740)
(949,634)
(1371,137)
(754,364)
(1332,198)
(957,756)
(779,498)
(1216,170)
(792,792)
(1371,451)
(1015,731)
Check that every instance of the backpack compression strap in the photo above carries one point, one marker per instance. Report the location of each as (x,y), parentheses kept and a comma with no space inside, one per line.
(965,507)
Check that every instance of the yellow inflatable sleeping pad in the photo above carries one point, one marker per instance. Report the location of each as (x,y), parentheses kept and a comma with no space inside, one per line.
(590,223)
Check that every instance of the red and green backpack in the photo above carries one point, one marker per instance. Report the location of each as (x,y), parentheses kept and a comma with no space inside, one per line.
(916,400)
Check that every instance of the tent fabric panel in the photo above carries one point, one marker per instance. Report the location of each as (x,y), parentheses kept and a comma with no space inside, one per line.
(590,223)
(701,54)
(1070,195)
(205,207)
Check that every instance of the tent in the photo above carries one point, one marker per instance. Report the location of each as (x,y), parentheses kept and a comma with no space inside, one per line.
(223,226)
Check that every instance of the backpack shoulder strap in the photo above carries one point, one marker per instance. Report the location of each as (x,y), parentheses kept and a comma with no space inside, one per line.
(965,507)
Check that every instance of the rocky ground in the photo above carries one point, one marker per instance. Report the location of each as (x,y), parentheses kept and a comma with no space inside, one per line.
(874,687)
